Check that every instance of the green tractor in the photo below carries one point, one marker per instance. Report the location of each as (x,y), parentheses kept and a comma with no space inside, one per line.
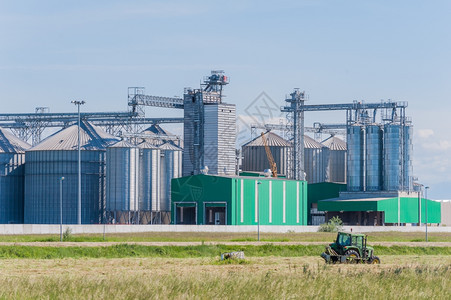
(350,248)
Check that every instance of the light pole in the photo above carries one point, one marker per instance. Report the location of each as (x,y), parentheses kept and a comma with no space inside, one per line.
(258,209)
(419,204)
(426,209)
(78,103)
(61,208)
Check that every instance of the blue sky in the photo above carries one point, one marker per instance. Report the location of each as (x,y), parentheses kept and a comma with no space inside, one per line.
(337,51)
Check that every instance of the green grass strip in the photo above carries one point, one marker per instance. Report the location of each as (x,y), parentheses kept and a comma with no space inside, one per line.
(127,250)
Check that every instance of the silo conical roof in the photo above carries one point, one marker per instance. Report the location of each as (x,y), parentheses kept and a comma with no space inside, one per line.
(310,143)
(156,129)
(9,143)
(122,144)
(169,146)
(272,139)
(147,145)
(91,138)
(334,143)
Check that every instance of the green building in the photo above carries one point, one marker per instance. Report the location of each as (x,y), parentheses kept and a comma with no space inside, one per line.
(238,200)
(321,191)
(380,209)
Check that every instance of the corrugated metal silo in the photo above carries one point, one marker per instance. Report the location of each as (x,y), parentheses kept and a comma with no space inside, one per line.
(122,171)
(397,157)
(392,157)
(57,157)
(335,159)
(355,159)
(374,160)
(170,167)
(408,156)
(12,159)
(314,165)
(254,153)
(149,183)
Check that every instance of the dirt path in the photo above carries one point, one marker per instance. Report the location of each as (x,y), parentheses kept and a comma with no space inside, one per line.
(105,244)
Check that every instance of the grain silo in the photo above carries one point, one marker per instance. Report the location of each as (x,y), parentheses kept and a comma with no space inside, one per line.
(122,171)
(12,159)
(355,159)
(254,153)
(149,180)
(170,167)
(335,159)
(314,165)
(397,157)
(159,133)
(57,157)
(373,158)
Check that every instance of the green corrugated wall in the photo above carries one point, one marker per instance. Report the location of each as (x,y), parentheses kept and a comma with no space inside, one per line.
(407,214)
(324,190)
(240,195)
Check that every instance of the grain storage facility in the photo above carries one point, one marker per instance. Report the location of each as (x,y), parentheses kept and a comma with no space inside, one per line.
(57,157)
(170,167)
(238,200)
(398,157)
(335,159)
(122,171)
(254,153)
(12,159)
(149,181)
(256,160)
(314,164)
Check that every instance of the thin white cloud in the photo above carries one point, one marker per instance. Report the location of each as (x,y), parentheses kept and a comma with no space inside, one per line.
(425,133)
(442,145)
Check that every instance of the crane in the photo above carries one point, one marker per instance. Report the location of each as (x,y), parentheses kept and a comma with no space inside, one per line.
(272,163)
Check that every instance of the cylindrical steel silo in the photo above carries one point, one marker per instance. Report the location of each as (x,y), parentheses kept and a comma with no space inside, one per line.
(149,183)
(392,157)
(314,165)
(170,167)
(12,159)
(408,153)
(57,157)
(122,171)
(374,160)
(335,159)
(254,154)
(355,160)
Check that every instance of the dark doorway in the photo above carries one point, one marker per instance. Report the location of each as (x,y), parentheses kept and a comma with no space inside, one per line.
(186,215)
(215,215)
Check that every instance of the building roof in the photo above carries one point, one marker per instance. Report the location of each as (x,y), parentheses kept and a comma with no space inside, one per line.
(169,146)
(310,143)
(147,145)
(272,139)
(156,129)
(9,143)
(334,143)
(354,200)
(91,138)
(122,144)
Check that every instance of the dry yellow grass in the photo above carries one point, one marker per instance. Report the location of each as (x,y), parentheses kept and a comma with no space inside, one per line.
(403,277)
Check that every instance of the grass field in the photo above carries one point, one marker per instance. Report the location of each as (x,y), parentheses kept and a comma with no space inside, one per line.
(399,277)
(392,236)
(127,250)
(270,271)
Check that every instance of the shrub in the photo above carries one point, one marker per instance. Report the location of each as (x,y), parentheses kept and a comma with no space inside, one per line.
(67,234)
(335,224)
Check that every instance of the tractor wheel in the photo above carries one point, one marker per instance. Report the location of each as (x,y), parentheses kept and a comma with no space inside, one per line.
(375,260)
(352,256)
